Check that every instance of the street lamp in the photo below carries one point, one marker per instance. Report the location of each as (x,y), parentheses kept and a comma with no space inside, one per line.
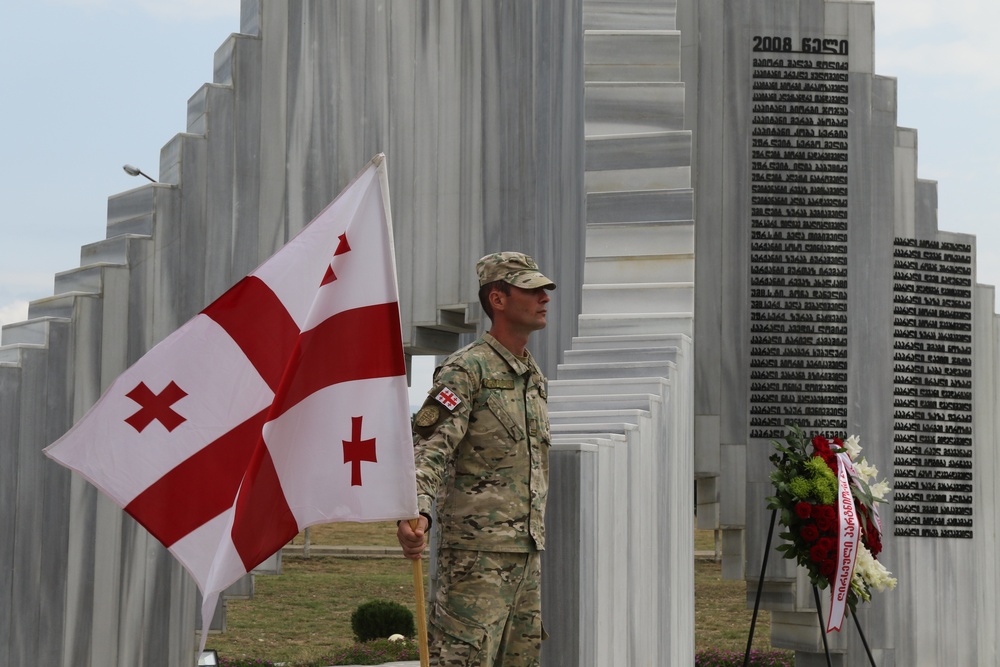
(135,171)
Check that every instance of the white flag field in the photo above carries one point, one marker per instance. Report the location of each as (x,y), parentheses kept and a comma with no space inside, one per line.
(281,405)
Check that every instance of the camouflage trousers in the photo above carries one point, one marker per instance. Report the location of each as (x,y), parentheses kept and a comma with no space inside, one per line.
(487,611)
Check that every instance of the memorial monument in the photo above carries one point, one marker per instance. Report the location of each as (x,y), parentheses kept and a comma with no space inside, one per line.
(741,242)
(828,297)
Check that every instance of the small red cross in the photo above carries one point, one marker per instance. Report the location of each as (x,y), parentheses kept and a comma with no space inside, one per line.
(342,247)
(358,450)
(448,398)
(156,406)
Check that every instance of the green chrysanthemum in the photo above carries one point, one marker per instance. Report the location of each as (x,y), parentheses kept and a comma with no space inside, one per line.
(801,487)
(823,480)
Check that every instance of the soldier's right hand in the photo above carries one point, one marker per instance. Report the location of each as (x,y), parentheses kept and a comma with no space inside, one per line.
(412,540)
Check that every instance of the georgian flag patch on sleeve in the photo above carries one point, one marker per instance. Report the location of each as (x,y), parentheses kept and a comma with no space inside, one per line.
(448,398)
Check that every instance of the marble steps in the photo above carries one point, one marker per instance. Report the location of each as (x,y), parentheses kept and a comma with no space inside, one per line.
(442,336)
(121,249)
(639,417)
(632,346)
(133,211)
(639,161)
(676,205)
(14,353)
(658,340)
(613,355)
(33,332)
(637,474)
(631,269)
(667,148)
(61,306)
(640,252)
(88,279)
(629,15)
(605,324)
(602,371)
(589,475)
(625,373)
(631,55)
(575,474)
(91,281)
(638,238)
(185,150)
(570,403)
(614,108)
(200,105)
(623,385)
(229,56)
(638,298)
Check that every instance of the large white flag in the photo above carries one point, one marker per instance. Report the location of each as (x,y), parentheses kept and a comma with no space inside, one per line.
(282,405)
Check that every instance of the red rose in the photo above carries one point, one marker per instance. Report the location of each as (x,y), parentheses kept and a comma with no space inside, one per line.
(809,533)
(826,543)
(825,517)
(827,568)
(803,510)
(874,546)
(817,554)
(871,539)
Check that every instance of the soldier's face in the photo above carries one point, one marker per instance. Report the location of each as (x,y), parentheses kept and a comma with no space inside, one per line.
(526,308)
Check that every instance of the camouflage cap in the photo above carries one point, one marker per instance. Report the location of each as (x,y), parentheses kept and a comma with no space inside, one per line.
(514,268)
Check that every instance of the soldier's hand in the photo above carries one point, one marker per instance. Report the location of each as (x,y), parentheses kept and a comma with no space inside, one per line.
(412,541)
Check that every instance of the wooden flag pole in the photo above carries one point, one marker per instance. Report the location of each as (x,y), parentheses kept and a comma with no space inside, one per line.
(418,586)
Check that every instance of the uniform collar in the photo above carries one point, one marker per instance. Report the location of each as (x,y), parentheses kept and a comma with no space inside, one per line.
(516,364)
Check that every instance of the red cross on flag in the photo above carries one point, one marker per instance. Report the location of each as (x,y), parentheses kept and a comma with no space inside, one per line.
(282,405)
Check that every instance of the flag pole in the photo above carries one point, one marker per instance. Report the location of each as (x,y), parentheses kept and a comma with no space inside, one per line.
(418,586)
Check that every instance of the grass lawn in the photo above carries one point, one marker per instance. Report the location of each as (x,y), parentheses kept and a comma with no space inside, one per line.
(305,613)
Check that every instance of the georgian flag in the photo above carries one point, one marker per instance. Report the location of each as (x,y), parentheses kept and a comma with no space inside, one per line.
(282,405)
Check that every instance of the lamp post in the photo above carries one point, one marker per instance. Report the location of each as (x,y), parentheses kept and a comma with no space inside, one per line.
(135,171)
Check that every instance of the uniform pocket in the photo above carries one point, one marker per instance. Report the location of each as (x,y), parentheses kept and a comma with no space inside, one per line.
(460,640)
(506,420)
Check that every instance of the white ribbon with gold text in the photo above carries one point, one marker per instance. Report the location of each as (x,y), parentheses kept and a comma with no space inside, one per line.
(847,544)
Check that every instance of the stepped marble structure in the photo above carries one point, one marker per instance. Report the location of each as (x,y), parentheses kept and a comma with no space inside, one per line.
(620,405)
(613,140)
(479,109)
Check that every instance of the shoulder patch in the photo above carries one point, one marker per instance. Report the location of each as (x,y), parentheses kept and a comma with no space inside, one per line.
(427,416)
(448,398)
(498,383)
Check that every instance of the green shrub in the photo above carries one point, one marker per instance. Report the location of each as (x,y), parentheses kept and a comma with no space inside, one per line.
(380,619)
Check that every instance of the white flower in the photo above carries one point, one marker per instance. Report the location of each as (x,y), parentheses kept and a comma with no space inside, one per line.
(852,446)
(880,490)
(866,471)
(872,572)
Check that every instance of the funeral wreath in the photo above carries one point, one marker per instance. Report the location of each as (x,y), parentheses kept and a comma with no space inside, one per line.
(826,496)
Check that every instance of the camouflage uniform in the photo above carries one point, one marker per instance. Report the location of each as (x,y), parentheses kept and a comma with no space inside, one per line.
(482,441)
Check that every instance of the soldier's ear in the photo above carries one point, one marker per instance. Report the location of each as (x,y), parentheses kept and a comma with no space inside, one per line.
(496,299)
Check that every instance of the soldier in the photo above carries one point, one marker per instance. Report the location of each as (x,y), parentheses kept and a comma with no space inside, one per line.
(481,447)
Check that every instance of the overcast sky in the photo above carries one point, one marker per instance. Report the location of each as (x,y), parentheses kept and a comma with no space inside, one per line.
(89,85)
